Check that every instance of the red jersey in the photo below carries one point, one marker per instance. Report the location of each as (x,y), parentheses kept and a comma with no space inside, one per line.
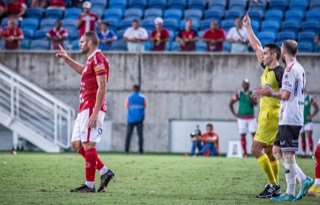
(163,34)
(14,8)
(213,35)
(53,33)
(214,134)
(96,65)
(87,22)
(15,32)
(189,46)
(58,3)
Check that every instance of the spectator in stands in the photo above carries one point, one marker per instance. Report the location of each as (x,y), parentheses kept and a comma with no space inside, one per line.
(159,36)
(317,39)
(87,19)
(135,36)
(16,9)
(57,35)
(2,8)
(106,36)
(57,4)
(188,37)
(238,37)
(38,4)
(12,35)
(214,37)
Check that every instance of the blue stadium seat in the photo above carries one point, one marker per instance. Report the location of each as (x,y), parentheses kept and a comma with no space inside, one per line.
(315,5)
(292,26)
(126,23)
(98,4)
(195,24)
(4,22)
(172,35)
(98,11)
(2,44)
(282,36)
(201,46)
(113,13)
(311,26)
(256,15)
(69,24)
(32,24)
(237,5)
(73,34)
(168,46)
(218,4)
(41,34)
(148,24)
(266,37)
(72,13)
(200,34)
(171,24)
(120,34)
(274,15)
(226,46)
(25,44)
(214,14)
(113,23)
(205,24)
(36,13)
(260,5)
(28,34)
(173,14)
(157,4)
(138,4)
(193,14)
(255,26)
(294,15)
(133,13)
(232,14)
(152,13)
(278,5)
(147,46)
(40,45)
(307,37)
(119,45)
(313,16)
(75,45)
(175,46)
(305,47)
(118,4)
(47,24)
(197,4)
(54,14)
(317,48)
(227,24)
(177,4)
(271,26)
(298,5)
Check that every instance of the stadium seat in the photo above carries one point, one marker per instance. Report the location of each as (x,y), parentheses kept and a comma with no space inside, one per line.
(120,34)
(113,23)
(36,13)
(98,11)
(294,15)
(255,26)
(282,36)
(41,34)
(133,13)
(193,14)
(256,15)
(148,24)
(157,4)
(205,24)
(271,26)
(173,14)
(25,44)
(317,48)
(232,14)
(177,4)
(72,13)
(113,13)
(306,37)
(259,5)
(28,34)
(138,4)
(298,5)
(292,26)
(73,34)
(172,35)
(118,4)
(274,15)
(237,5)
(226,46)
(152,13)
(201,46)
(53,14)
(201,33)
(214,14)
(310,26)
(126,23)
(119,45)
(75,45)
(315,5)
(218,4)
(313,16)
(31,23)
(195,24)
(168,46)
(69,24)
(40,45)
(305,47)
(227,24)
(175,46)
(267,37)
(278,5)
(47,24)
(171,24)
(197,4)
(147,46)
(4,22)
(98,4)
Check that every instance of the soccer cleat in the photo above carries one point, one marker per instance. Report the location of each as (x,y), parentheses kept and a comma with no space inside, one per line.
(270,191)
(314,191)
(304,187)
(84,189)
(105,179)
(283,197)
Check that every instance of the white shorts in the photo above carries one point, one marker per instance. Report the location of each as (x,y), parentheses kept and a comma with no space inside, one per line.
(307,127)
(247,125)
(82,133)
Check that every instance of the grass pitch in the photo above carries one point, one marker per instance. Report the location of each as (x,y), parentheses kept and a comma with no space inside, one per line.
(39,178)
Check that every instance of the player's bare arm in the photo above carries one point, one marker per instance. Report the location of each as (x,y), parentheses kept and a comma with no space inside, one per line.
(315,111)
(266,91)
(72,63)
(101,94)
(231,103)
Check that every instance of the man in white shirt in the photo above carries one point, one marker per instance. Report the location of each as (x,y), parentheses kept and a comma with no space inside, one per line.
(238,37)
(135,36)
(286,143)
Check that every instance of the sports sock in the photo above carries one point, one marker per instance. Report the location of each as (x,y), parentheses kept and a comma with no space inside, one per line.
(90,184)
(82,152)
(290,172)
(310,141)
(266,167)
(303,145)
(300,175)
(91,159)
(100,164)
(317,166)
(275,169)
(244,145)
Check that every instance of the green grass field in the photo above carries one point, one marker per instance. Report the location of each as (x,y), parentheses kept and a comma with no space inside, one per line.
(39,178)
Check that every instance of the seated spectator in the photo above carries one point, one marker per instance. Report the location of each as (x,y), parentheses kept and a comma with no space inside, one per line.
(12,35)
(188,37)
(317,39)
(214,37)
(2,8)
(211,142)
(38,4)
(106,36)
(57,4)
(196,141)
(135,36)
(57,35)
(16,9)
(238,37)
(87,19)
(159,36)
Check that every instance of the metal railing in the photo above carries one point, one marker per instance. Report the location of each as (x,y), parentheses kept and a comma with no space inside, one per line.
(35,108)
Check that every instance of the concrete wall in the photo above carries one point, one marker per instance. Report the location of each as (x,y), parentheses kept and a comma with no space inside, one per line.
(178,86)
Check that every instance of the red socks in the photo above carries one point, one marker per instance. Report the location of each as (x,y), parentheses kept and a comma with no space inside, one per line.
(303,144)
(244,145)
(317,165)
(99,162)
(310,141)
(91,159)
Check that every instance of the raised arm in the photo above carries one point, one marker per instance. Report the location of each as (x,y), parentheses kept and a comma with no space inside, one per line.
(72,63)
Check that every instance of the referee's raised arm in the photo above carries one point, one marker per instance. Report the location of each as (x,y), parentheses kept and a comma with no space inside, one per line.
(254,41)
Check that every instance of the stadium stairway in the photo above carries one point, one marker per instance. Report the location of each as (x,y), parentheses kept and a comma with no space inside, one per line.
(34,114)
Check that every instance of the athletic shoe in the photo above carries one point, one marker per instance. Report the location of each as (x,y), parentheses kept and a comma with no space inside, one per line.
(304,187)
(105,179)
(84,189)
(270,191)
(283,197)
(314,191)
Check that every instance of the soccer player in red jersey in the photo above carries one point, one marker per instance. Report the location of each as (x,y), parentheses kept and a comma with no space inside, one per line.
(87,19)
(88,125)
(57,35)
(12,35)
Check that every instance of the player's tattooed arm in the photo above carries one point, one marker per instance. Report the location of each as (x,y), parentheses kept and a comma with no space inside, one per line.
(266,91)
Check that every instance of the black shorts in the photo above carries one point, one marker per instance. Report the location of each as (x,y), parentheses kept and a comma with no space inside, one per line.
(288,138)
